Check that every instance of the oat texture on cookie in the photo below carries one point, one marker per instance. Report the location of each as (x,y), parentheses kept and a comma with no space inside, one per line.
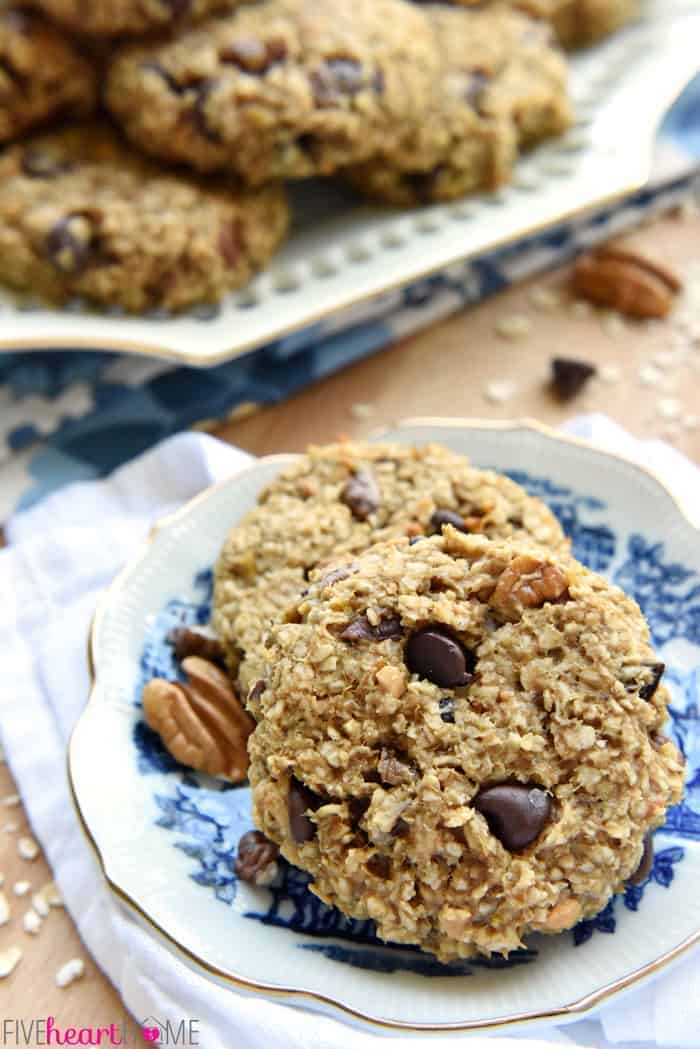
(339,499)
(461,739)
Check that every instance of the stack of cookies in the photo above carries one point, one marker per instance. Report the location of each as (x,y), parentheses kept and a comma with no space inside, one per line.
(175,194)
(458,728)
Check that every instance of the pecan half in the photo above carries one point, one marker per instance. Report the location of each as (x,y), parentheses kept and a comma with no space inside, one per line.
(529,583)
(626,281)
(201,722)
(187,641)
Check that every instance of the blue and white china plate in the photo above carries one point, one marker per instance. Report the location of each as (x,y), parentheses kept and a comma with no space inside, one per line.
(345,259)
(166,837)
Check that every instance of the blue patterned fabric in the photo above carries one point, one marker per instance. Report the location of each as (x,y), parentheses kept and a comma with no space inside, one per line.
(206,818)
(74,416)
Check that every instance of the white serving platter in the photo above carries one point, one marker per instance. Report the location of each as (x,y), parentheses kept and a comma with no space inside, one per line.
(342,253)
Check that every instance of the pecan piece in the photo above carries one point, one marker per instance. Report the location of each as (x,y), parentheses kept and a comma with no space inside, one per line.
(201,722)
(256,861)
(529,583)
(187,641)
(627,281)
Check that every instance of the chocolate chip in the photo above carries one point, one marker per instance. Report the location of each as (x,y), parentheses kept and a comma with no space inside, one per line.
(301,800)
(361,494)
(256,861)
(516,813)
(447,517)
(40,163)
(231,242)
(336,79)
(357,807)
(433,653)
(362,630)
(70,243)
(643,678)
(570,376)
(447,710)
(187,642)
(256,691)
(645,864)
(379,865)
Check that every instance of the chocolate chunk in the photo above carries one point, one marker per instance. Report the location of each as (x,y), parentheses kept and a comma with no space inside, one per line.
(516,813)
(362,630)
(357,807)
(256,861)
(643,678)
(335,80)
(361,494)
(379,865)
(570,376)
(256,691)
(433,653)
(231,242)
(401,828)
(379,82)
(187,642)
(301,800)
(415,539)
(70,243)
(447,517)
(447,710)
(645,864)
(41,163)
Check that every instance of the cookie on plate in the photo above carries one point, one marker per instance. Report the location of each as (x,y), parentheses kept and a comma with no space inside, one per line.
(461,740)
(339,499)
(280,89)
(502,88)
(576,22)
(42,73)
(81,214)
(110,18)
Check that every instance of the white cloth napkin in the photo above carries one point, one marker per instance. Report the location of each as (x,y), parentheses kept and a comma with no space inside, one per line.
(61,554)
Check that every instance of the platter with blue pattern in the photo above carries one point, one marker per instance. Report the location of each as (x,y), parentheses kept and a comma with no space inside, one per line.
(167,837)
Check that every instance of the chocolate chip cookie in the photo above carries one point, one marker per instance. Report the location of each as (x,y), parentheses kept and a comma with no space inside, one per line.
(576,22)
(502,88)
(80,214)
(42,73)
(460,739)
(111,17)
(281,89)
(339,499)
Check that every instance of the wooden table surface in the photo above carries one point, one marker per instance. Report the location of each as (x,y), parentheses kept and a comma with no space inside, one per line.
(443,371)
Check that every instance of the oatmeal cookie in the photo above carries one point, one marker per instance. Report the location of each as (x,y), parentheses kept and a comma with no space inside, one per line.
(281,89)
(576,22)
(110,18)
(80,214)
(339,499)
(42,73)
(502,88)
(461,740)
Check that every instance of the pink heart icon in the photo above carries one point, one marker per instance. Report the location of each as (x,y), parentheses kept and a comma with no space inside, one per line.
(150,1034)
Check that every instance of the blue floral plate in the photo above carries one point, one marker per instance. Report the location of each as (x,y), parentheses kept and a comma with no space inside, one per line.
(166,837)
